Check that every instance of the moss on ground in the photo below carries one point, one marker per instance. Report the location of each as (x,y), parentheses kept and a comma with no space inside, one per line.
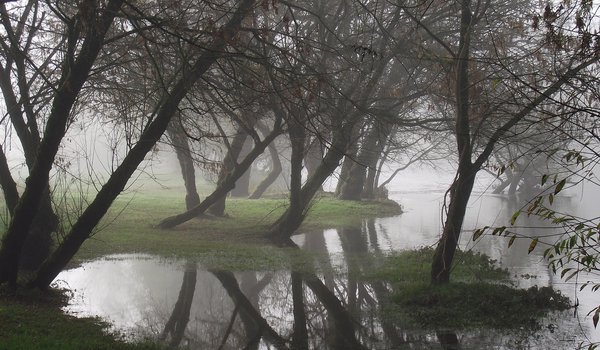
(478,305)
(34,321)
(477,297)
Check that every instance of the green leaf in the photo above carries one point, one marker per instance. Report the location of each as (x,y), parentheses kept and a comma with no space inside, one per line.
(502,170)
(571,275)
(560,186)
(498,230)
(532,245)
(568,156)
(544,179)
(512,240)
(477,234)
(596,317)
(551,198)
(564,272)
(514,217)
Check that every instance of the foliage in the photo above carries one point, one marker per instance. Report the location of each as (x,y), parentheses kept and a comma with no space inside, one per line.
(413,266)
(477,298)
(472,305)
(575,253)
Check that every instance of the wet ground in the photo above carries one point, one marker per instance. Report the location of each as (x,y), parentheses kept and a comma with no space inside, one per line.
(187,305)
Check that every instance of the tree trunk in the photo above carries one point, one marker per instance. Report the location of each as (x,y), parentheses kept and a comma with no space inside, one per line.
(313,156)
(463,184)
(297,140)
(223,187)
(9,187)
(444,253)
(351,153)
(373,166)
(228,165)
(291,219)
(179,141)
(38,244)
(242,185)
(73,77)
(353,185)
(271,177)
(82,228)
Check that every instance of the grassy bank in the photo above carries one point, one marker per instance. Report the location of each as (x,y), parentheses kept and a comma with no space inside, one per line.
(130,227)
(478,297)
(35,321)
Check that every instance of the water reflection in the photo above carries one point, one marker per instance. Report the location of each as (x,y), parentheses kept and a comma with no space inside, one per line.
(185,305)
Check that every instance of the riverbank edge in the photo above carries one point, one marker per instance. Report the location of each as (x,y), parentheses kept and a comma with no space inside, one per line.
(34,320)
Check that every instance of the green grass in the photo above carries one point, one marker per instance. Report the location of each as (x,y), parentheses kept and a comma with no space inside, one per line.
(477,297)
(34,321)
(235,242)
(414,266)
(478,305)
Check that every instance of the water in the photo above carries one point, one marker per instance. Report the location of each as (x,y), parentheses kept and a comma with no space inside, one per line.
(184,304)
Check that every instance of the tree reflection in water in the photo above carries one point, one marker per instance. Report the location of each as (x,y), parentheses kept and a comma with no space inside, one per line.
(325,309)
(341,313)
(177,323)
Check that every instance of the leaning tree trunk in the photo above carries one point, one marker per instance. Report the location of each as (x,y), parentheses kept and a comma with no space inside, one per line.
(38,244)
(179,141)
(351,153)
(73,77)
(297,140)
(291,219)
(271,177)
(275,166)
(228,165)
(92,215)
(242,185)
(369,189)
(224,186)
(444,252)
(463,183)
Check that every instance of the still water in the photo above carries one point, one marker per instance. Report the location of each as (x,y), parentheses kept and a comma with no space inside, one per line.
(178,301)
